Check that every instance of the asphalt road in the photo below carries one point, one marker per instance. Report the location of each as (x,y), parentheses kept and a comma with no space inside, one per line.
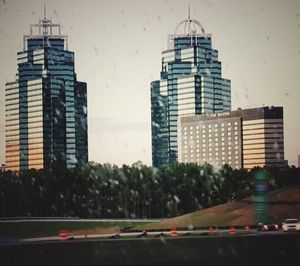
(254,249)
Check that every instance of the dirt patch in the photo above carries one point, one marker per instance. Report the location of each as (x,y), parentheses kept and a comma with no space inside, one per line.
(97,230)
(282,204)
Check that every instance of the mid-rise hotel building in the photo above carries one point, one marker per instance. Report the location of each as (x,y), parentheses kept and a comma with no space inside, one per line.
(190,83)
(242,138)
(46,107)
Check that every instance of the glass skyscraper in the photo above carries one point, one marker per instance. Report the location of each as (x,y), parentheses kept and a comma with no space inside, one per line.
(46,107)
(190,83)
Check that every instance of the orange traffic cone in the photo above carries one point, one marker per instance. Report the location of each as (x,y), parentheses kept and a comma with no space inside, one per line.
(174,232)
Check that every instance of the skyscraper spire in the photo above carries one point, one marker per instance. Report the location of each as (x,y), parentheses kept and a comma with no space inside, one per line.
(44,11)
(190,25)
(189,19)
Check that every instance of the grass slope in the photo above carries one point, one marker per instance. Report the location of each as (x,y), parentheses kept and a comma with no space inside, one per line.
(282,204)
(53,228)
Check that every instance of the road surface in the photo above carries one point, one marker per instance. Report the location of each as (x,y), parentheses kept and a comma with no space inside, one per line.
(252,249)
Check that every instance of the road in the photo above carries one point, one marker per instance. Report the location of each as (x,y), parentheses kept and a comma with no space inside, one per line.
(251,249)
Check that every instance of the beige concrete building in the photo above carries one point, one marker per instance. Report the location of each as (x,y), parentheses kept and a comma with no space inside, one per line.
(242,138)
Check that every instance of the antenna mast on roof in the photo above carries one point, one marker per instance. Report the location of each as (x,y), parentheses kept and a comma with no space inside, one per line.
(44,11)
(45,30)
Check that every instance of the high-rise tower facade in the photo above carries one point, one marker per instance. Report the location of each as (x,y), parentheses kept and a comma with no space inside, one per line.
(190,83)
(46,107)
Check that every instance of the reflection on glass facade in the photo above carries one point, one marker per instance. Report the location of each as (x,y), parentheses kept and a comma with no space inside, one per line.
(46,107)
(190,83)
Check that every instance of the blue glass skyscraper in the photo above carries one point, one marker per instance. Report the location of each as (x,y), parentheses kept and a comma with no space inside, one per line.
(190,83)
(46,107)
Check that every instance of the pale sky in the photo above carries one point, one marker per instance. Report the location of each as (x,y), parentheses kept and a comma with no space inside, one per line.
(118,45)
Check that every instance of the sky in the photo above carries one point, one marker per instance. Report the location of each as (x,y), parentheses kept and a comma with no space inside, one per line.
(118,45)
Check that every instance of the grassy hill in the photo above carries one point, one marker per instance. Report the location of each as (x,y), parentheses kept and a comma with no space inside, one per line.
(281,204)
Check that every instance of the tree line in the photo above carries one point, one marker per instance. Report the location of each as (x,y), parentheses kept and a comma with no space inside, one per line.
(136,191)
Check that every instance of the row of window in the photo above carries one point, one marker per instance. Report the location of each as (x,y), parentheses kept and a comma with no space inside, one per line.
(211,161)
(210,135)
(205,126)
(203,150)
(224,141)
